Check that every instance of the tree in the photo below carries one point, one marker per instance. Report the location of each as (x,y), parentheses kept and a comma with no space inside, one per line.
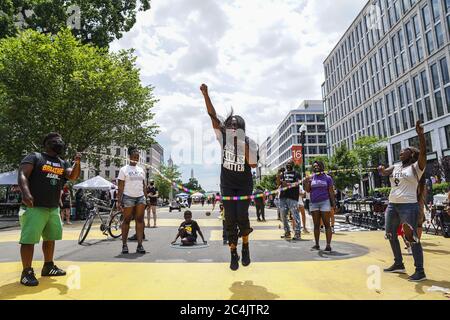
(92,21)
(164,186)
(55,83)
(345,161)
(269,182)
(194,185)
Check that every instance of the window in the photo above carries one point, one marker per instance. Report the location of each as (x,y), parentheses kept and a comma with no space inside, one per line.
(320,118)
(429,142)
(439,35)
(420,112)
(414,142)
(425,87)
(435,77)
(310,118)
(444,71)
(300,118)
(447,99)
(430,43)
(439,104)
(107,173)
(117,152)
(107,163)
(312,150)
(428,109)
(311,129)
(322,139)
(447,135)
(436,9)
(426,17)
(117,173)
(396,148)
(312,139)
(320,128)
(322,150)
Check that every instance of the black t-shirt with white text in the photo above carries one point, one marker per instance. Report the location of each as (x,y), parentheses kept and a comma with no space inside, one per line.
(190,228)
(290,177)
(47,179)
(235,170)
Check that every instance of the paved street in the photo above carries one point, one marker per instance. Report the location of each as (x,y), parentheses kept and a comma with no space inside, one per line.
(279,269)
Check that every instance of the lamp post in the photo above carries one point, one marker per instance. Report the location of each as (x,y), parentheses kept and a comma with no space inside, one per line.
(303,130)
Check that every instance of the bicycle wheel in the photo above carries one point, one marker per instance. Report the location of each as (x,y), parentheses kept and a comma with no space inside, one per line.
(86,227)
(115,225)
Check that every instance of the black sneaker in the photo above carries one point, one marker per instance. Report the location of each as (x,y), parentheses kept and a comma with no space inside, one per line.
(286,236)
(328,249)
(52,271)
(418,276)
(396,269)
(245,255)
(125,249)
(297,237)
(234,264)
(28,278)
(140,249)
(316,247)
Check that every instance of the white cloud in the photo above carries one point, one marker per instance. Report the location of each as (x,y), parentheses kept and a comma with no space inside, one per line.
(261,57)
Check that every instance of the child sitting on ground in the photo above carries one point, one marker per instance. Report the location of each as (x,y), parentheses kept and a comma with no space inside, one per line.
(188,231)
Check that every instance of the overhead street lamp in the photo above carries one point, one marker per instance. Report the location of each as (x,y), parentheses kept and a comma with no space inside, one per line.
(303,130)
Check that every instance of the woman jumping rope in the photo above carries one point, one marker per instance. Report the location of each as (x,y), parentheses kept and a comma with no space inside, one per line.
(239,155)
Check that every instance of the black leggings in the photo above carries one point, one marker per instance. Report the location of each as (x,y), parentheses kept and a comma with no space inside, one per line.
(236,214)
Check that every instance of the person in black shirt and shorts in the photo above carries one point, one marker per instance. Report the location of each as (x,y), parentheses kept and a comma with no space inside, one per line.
(188,231)
(152,202)
(239,156)
(41,179)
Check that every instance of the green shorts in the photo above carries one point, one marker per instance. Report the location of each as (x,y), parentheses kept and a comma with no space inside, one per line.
(37,222)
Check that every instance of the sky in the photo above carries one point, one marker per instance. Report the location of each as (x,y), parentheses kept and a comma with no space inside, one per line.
(259,58)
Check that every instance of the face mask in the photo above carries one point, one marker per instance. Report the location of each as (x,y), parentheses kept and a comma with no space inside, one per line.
(152,184)
(57,147)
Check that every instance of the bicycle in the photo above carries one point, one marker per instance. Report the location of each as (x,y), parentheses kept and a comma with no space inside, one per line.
(111,225)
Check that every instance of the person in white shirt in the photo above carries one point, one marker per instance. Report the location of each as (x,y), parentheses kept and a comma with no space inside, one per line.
(403,208)
(131,199)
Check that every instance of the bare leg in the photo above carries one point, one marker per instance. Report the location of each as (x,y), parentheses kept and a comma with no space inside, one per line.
(317,220)
(154,215)
(127,216)
(26,253)
(302,212)
(48,247)
(149,211)
(326,216)
(139,218)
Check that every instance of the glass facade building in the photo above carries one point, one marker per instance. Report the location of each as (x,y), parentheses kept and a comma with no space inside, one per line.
(276,151)
(390,69)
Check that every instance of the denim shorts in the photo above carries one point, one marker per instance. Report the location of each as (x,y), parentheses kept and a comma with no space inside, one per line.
(129,202)
(324,206)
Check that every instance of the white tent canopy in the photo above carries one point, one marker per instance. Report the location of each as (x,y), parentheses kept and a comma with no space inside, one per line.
(96,183)
(8,178)
(198,195)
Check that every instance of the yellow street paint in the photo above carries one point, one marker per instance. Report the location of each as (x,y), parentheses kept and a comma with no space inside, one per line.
(336,279)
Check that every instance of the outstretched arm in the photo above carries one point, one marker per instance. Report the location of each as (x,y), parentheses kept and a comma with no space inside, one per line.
(422,162)
(209,106)
(385,172)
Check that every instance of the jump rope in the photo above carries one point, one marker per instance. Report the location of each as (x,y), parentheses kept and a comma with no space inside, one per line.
(226,198)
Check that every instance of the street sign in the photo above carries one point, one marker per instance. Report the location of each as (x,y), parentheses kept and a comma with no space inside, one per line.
(297,155)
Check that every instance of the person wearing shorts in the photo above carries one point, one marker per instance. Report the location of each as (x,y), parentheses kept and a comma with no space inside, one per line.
(41,178)
(320,185)
(152,201)
(131,199)
(404,208)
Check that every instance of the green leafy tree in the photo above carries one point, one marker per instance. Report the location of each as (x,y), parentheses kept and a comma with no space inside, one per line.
(164,186)
(346,160)
(194,185)
(369,151)
(92,21)
(55,83)
(269,182)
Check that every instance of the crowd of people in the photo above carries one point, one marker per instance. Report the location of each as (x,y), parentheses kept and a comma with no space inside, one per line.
(43,176)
